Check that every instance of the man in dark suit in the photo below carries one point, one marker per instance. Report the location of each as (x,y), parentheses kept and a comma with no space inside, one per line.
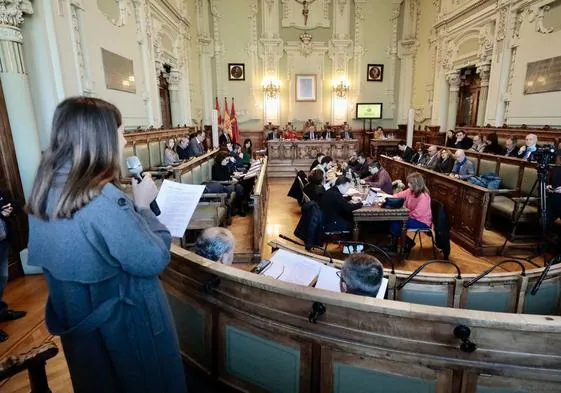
(406,152)
(311,133)
(337,211)
(224,138)
(328,133)
(362,169)
(511,150)
(317,161)
(463,141)
(346,131)
(196,145)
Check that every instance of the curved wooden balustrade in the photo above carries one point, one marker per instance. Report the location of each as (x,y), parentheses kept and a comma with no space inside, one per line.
(254,333)
(502,292)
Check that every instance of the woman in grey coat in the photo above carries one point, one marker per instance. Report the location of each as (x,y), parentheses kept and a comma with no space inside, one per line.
(101,254)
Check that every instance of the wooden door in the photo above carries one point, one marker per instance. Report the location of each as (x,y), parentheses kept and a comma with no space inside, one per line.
(469,100)
(10,183)
(165,101)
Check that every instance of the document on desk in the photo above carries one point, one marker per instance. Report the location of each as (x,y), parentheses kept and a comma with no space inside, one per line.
(293,268)
(329,280)
(177,203)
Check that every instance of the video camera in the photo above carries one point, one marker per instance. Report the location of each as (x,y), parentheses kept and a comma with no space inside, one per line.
(545,156)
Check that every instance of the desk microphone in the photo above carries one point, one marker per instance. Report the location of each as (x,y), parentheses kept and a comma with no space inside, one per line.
(135,170)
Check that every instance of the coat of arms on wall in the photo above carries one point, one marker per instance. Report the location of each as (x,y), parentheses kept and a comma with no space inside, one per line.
(236,71)
(375,73)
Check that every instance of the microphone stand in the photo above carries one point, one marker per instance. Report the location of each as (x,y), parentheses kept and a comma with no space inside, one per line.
(368,247)
(410,277)
(479,277)
(548,265)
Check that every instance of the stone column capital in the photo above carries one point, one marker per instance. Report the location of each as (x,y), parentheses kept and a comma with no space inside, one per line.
(484,71)
(454,80)
(12,11)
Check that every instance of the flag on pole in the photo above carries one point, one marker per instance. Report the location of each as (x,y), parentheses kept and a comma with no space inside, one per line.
(219,114)
(234,121)
(227,121)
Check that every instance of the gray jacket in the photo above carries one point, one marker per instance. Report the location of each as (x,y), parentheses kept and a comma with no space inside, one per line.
(195,148)
(464,170)
(105,298)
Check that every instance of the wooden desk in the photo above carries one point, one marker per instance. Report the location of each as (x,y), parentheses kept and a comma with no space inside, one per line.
(465,203)
(383,146)
(285,156)
(377,214)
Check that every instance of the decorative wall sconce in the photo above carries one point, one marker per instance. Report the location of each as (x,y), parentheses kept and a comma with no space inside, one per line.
(341,88)
(271,88)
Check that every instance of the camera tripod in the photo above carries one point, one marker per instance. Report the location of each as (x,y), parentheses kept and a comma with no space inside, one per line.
(540,182)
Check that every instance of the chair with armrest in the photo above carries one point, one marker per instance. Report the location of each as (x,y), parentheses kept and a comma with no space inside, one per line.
(513,204)
(33,362)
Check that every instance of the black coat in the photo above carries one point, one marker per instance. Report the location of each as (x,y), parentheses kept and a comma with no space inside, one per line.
(513,153)
(336,208)
(464,144)
(314,191)
(362,170)
(309,228)
(407,154)
(224,139)
(296,190)
(445,166)
(441,227)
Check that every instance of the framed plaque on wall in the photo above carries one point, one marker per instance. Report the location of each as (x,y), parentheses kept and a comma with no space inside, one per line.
(306,88)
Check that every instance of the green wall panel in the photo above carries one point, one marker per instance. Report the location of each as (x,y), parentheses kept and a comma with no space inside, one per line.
(348,379)
(262,362)
(190,325)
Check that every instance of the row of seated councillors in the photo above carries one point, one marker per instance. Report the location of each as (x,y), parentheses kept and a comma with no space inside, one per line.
(310,132)
(361,274)
(188,147)
(329,182)
(230,163)
(490,144)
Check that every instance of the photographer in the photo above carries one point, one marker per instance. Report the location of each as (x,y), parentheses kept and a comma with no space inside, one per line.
(7,210)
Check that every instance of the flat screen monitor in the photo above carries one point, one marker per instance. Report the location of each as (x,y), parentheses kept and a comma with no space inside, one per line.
(369,110)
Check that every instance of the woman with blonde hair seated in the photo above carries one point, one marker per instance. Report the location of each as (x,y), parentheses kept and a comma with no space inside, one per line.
(418,201)
(170,156)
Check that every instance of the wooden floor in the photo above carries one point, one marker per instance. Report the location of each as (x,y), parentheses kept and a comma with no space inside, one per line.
(30,293)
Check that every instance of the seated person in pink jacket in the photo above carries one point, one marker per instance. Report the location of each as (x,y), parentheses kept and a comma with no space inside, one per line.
(417,200)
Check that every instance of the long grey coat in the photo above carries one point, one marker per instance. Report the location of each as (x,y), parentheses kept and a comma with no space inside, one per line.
(105,299)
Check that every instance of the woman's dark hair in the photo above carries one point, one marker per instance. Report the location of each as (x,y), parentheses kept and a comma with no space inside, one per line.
(85,136)
(326,160)
(315,177)
(247,149)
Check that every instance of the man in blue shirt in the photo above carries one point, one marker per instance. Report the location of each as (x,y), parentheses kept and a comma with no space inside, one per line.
(463,168)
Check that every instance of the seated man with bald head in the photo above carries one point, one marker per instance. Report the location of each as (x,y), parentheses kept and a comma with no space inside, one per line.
(431,159)
(216,244)
(361,275)
(463,168)
(526,152)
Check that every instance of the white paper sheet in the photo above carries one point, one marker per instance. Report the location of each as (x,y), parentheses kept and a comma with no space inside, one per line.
(293,268)
(328,279)
(177,203)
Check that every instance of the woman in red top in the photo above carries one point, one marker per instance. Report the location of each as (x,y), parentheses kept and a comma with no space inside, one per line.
(417,200)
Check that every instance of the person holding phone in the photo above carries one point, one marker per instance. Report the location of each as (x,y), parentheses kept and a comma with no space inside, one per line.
(101,253)
(6,211)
